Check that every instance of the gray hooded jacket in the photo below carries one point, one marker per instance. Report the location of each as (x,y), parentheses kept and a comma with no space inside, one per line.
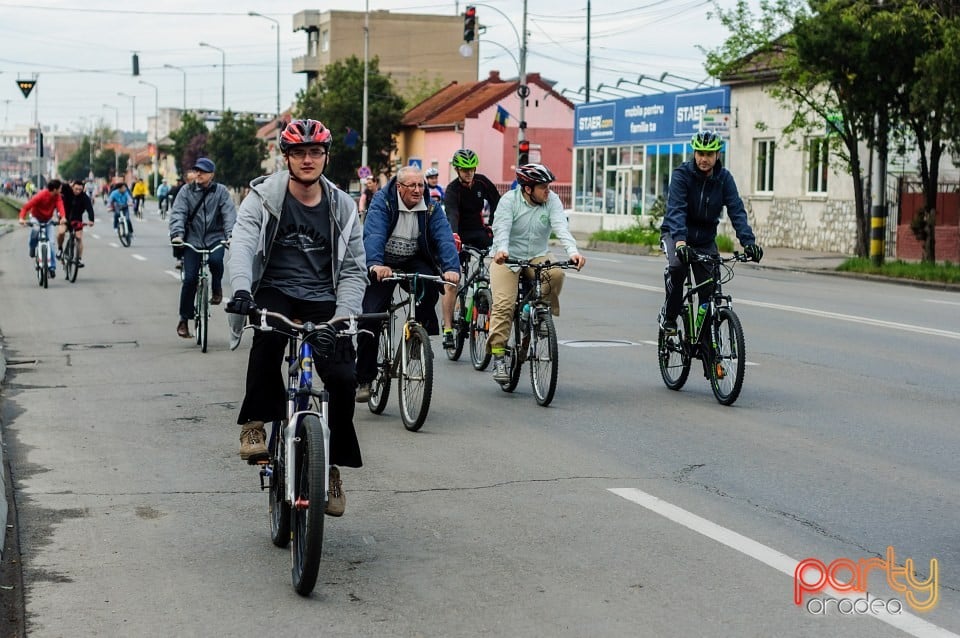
(256,227)
(213,221)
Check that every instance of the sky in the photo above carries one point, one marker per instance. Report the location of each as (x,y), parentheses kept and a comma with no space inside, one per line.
(80,51)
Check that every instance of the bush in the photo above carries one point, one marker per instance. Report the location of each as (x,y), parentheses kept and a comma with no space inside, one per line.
(724,244)
(944,272)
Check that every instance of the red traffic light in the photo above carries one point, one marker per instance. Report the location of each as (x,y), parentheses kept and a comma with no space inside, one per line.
(470,24)
(471,12)
(524,146)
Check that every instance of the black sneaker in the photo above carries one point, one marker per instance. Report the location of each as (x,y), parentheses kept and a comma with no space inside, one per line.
(59,254)
(53,274)
(669,326)
(448,343)
(79,264)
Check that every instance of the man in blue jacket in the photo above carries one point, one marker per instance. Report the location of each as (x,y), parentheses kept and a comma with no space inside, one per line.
(699,191)
(405,230)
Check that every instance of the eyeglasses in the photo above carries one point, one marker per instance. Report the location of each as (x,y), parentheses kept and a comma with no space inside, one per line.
(315,152)
(418,186)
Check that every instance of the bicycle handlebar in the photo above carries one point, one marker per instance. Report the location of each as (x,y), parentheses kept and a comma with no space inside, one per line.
(543,265)
(309,326)
(710,258)
(479,252)
(400,276)
(206,251)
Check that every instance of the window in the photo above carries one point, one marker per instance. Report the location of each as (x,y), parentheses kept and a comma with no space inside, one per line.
(325,40)
(765,155)
(818,149)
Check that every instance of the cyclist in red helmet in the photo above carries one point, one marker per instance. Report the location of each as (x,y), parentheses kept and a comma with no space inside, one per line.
(297,249)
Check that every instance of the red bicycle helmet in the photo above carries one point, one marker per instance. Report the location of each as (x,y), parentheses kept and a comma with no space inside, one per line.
(533,174)
(302,132)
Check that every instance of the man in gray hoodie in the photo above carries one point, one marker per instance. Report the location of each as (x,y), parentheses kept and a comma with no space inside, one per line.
(297,249)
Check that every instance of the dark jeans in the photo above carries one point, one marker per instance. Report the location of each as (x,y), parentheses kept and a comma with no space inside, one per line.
(266,396)
(675,275)
(377,299)
(191,274)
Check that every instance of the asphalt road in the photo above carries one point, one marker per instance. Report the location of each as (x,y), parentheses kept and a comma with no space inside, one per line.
(624,509)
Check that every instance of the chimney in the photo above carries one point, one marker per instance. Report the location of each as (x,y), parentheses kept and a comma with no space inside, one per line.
(494,76)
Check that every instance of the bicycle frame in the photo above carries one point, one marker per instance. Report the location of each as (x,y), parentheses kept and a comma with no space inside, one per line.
(716,300)
(409,302)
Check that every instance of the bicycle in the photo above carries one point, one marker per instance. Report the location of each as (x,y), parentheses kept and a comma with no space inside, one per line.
(471,312)
(201,301)
(123,227)
(70,259)
(296,472)
(721,347)
(412,364)
(138,204)
(43,253)
(534,335)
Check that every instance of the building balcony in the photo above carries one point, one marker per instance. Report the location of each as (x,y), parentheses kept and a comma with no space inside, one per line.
(306,64)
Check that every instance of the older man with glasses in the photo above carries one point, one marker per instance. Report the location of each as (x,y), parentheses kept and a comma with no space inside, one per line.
(404,230)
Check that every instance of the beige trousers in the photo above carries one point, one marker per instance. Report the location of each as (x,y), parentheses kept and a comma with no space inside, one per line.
(503,283)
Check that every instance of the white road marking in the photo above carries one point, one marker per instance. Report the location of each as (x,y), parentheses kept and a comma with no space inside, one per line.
(906,621)
(138,257)
(869,321)
(949,303)
(174,274)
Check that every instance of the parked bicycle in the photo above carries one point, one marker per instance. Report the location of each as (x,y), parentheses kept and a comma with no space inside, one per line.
(201,301)
(297,472)
(471,312)
(412,361)
(711,332)
(534,335)
(70,258)
(43,253)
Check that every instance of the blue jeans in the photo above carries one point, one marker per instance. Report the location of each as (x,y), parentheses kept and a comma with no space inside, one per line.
(191,275)
(35,239)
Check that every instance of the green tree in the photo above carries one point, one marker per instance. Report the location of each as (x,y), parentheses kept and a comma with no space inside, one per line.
(234,146)
(189,141)
(337,101)
(419,87)
(78,165)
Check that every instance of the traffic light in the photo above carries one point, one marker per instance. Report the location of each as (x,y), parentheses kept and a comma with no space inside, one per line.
(39,143)
(524,157)
(136,64)
(470,24)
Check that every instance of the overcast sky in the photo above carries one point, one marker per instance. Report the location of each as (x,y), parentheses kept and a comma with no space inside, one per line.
(81,50)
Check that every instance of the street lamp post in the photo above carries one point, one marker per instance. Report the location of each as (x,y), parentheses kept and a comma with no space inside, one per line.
(156,132)
(184,71)
(223,76)
(133,116)
(277,26)
(116,154)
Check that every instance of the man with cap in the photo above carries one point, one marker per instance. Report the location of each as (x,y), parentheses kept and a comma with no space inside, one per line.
(202,215)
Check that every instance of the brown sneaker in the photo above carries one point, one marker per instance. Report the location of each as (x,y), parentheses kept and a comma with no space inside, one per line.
(183,330)
(363,393)
(336,500)
(216,298)
(253,440)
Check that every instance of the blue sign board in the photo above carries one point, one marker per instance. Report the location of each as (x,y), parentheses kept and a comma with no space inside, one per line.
(645,119)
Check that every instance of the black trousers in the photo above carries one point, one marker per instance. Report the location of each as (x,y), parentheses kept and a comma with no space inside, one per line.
(675,275)
(266,396)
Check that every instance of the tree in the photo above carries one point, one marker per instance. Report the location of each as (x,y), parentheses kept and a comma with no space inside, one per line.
(237,151)
(78,165)
(189,141)
(419,87)
(337,101)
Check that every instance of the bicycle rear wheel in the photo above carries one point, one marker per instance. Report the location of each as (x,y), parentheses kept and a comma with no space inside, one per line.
(279,508)
(480,329)
(202,310)
(543,358)
(306,524)
(514,354)
(380,387)
(416,381)
(459,326)
(674,357)
(43,265)
(727,356)
(70,258)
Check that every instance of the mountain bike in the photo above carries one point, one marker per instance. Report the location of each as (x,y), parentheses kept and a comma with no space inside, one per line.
(296,473)
(70,259)
(43,253)
(471,312)
(201,301)
(412,362)
(534,337)
(123,227)
(711,332)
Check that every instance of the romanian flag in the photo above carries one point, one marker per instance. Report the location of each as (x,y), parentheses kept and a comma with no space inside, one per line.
(500,119)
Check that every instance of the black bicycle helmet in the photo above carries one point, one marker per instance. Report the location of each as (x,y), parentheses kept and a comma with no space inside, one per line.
(533,174)
(303,132)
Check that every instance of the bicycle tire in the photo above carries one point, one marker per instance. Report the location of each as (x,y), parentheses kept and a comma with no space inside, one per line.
(727,356)
(70,258)
(279,508)
(459,327)
(202,310)
(380,387)
(673,356)
(43,265)
(416,381)
(544,361)
(306,524)
(123,230)
(480,329)
(514,355)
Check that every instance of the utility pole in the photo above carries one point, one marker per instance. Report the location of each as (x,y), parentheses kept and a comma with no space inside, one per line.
(364,150)
(523,90)
(587,96)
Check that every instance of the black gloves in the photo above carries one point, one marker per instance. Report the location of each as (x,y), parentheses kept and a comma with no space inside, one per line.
(754,252)
(242,303)
(323,340)
(684,254)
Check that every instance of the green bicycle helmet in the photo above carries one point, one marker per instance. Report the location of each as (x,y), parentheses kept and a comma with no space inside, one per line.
(706,141)
(465,158)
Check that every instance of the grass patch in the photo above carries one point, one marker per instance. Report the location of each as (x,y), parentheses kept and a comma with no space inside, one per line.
(633,235)
(9,207)
(944,272)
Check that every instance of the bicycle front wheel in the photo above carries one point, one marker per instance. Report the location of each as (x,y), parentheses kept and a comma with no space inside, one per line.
(43,265)
(727,356)
(416,379)
(202,310)
(279,507)
(674,357)
(306,524)
(380,387)
(543,358)
(123,230)
(70,259)
(459,326)
(480,329)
